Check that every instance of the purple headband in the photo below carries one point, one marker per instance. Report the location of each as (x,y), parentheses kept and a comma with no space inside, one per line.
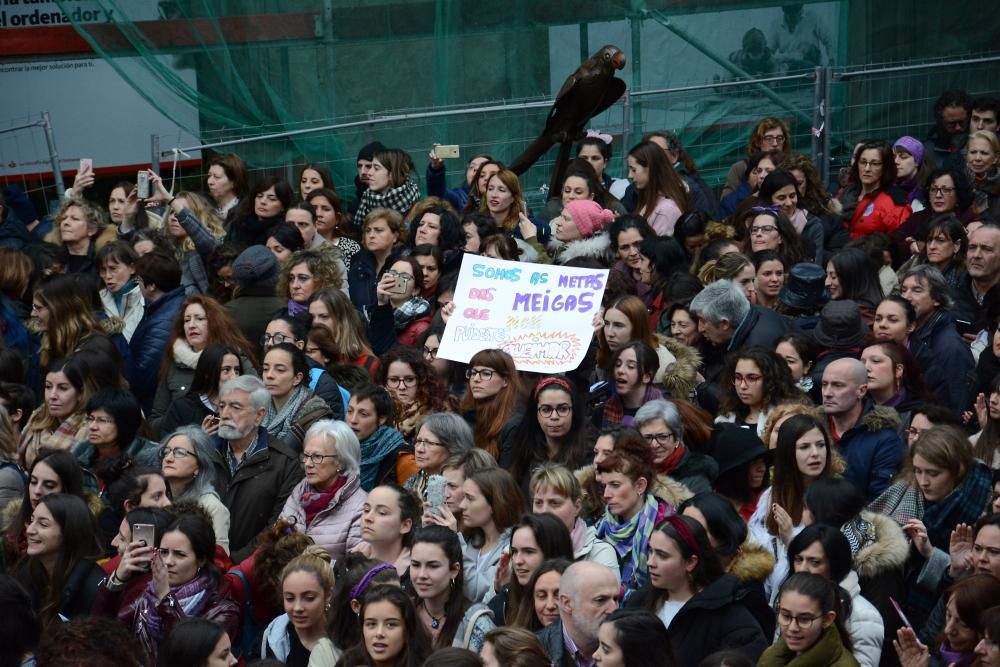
(360,587)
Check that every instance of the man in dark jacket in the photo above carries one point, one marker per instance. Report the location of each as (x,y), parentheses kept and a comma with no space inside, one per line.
(258,475)
(588,593)
(256,272)
(159,278)
(729,323)
(947,138)
(866,435)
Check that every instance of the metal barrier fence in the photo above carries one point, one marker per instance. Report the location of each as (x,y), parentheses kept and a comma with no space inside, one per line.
(828,110)
(45,124)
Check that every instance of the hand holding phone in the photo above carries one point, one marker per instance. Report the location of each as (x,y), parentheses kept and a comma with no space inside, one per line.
(446,151)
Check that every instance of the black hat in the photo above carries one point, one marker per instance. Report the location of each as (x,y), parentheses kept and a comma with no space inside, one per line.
(805,288)
(733,446)
(840,325)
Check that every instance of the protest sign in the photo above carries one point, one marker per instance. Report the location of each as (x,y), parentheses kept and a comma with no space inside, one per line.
(540,314)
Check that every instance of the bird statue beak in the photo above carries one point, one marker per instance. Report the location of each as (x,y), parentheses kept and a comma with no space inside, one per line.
(618,60)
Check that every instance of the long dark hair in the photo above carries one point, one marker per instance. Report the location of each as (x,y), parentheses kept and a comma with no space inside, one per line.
(532,449)
(343,626)
(191,642)
(725,526)
(858,278)
(663,180)
(788,488)
(79,542)
(636,632)
(834,501)
(206,373)
(836,548)
(70,474)
(707,570)
(20,631)
(454,608)
(418,643)
(553,540)
(199,532)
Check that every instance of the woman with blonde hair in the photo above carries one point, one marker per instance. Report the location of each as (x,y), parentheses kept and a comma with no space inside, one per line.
(306,272)
(81,230)
(65,318)
(298,637)
(734,267)
(15,274)
(195,230)
(331,309)
(382,235)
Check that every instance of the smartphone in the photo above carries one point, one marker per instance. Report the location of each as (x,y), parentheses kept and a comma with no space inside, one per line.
(436,487)
(899,610)
(965,327)
(86,164)
(145,533)
(446,152)
(214,421)
(142,184)
(400,286)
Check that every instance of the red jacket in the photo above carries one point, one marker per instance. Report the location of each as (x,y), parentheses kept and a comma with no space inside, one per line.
(878,212)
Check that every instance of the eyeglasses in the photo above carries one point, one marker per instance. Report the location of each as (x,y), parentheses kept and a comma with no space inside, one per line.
(874,164)
(103,421)
(277,338)
(407,381)
(749,378)
(430,353)
(940,190)
(804,622)
(914,432)
(423,442)
(662,439)
(485,374)
(763,229)
(399,274)
(775,139)
(176,452)
(315,459)
(561,410)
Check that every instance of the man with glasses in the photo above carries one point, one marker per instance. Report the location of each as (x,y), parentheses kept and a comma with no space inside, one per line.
(255,474)
(946,139)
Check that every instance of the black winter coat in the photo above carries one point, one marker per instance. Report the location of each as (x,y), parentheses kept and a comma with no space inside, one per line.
(149,343)
(256,493)
(945,358)
(713,620)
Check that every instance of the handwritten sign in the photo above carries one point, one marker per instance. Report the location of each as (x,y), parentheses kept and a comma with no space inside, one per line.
(541,315)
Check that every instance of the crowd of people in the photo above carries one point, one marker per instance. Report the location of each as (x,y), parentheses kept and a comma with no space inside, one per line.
(227,436)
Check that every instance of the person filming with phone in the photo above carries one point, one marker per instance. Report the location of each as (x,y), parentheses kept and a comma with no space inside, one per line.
(401,312)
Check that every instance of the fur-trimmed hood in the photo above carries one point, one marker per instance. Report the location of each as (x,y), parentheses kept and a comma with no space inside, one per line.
(596,247)
(528,254)
(184,356)
(752,563)
(112,325)
(680,377)
(881,418)
(889,550)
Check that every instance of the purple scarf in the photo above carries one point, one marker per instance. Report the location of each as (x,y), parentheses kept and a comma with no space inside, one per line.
(191,596)
(296,309)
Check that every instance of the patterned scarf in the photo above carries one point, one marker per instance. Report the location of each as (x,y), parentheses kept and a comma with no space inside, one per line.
(631,540)
(410,310)
(962,505)
(313,502)
(191,596)
(614,409)
(859,534)
(380,444)
(279,422)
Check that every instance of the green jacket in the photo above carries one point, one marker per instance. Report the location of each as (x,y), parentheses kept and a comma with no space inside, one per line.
(829,651)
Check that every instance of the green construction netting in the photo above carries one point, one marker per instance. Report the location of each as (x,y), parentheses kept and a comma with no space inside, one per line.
(226,69)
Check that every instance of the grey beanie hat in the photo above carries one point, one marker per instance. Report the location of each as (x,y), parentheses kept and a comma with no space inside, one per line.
(257,264)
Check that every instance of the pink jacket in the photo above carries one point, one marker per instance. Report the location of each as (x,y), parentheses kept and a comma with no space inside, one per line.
(664,217)
(336,528)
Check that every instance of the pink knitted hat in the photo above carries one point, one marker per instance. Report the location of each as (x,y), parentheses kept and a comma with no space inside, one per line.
(589,217)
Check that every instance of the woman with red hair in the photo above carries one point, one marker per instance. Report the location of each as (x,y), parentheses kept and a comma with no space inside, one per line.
(201,322)
(491,403)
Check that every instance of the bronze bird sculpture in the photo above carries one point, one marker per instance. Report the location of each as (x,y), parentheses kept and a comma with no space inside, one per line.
(591,89)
